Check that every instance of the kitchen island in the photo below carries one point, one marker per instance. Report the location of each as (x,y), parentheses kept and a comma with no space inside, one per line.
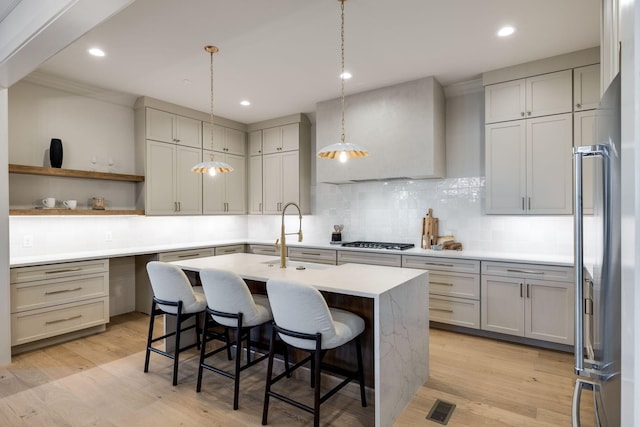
(399,321)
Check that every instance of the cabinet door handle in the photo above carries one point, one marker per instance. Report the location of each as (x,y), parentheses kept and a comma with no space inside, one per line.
(522,114)
(528,113)
(578,105)
(521,290)
(175,206)
(517,270)
(260,207)
(446,310)
(528,290)
(189,256)
(62,291)
(441,283)
(63,270)
(51,322)
(523,203)
(438,264)
(529,203)
(179,207)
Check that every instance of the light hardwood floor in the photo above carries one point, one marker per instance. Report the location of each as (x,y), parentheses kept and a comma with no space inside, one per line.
(98,381)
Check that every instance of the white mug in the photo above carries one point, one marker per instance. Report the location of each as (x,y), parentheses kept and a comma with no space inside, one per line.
(49,202)
(71,204)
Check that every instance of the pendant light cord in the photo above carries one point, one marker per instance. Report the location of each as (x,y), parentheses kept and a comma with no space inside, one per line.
(342,137)
(211,103)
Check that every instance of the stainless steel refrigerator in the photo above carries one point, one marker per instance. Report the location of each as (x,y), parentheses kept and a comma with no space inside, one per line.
(597,340)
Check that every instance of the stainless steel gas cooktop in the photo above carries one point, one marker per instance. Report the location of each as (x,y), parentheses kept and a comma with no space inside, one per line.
(379,245)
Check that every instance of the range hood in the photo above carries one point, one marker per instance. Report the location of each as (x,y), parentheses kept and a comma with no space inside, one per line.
(402,126)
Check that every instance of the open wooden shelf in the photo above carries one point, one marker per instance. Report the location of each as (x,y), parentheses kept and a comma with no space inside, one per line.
(73,173)
(76,212)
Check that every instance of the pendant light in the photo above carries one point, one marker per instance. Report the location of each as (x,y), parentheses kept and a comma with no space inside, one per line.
(211,167)
(342,150)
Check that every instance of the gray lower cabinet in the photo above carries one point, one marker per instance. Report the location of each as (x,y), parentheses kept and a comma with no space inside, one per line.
(454,289)
(528,300)
(229,249)
(319,256)
(263,249)
(48,301)
(389,260)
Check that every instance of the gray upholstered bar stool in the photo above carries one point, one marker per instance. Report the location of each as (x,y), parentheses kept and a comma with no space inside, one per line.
(303,320)
(231,304)
(172,295)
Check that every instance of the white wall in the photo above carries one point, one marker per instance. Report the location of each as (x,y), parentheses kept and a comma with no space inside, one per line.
(89,128)
(5,317)
(465,130)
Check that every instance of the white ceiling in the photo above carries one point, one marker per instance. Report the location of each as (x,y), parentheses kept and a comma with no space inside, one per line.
(284,56)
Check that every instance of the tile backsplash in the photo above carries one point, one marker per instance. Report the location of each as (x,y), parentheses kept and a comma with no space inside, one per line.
(379,211)
(392,211)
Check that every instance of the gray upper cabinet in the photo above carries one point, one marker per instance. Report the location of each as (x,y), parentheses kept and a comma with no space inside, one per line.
(536,96)
(225,140)
(279,164)
(586,87)
(173,128)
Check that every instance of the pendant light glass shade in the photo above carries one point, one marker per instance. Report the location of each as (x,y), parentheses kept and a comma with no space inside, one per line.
(211,167)
(342,150)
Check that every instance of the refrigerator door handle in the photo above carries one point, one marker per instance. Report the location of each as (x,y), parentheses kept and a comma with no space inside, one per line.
(577,394)
(578,154)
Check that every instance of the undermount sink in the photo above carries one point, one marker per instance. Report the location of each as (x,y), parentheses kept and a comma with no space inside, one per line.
(296,264)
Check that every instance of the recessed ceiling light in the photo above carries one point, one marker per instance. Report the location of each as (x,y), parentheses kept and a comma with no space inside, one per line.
(245,102)
(96,51)
(346,75)
(506,31)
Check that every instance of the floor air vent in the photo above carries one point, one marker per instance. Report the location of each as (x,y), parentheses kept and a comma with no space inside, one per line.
(441,412)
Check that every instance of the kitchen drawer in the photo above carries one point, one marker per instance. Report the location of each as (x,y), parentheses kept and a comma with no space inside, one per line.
(186,254)
(321,256)
(48,322)
(390,260)
(53,271)
(44,293)
(530,271)
(264,250)
(454,285)
(455,311)
(229,249)
(442,264)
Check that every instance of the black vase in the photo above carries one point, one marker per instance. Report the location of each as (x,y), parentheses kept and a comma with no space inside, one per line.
(55,153)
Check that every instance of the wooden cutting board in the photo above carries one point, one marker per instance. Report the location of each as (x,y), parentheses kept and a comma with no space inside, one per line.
(429,230)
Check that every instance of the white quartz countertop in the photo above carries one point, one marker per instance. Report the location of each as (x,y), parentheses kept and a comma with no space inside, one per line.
(350,279)
(484,255)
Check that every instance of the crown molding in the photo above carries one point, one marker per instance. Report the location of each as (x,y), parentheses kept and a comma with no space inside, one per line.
(78,88)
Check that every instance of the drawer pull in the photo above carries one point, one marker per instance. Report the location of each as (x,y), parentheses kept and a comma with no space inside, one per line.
(62,291)
(51,322)
(439,264)
(311,253)
(515,270)
(441,309)
(227,251)
(189,256)
(442,283)
(64,270)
